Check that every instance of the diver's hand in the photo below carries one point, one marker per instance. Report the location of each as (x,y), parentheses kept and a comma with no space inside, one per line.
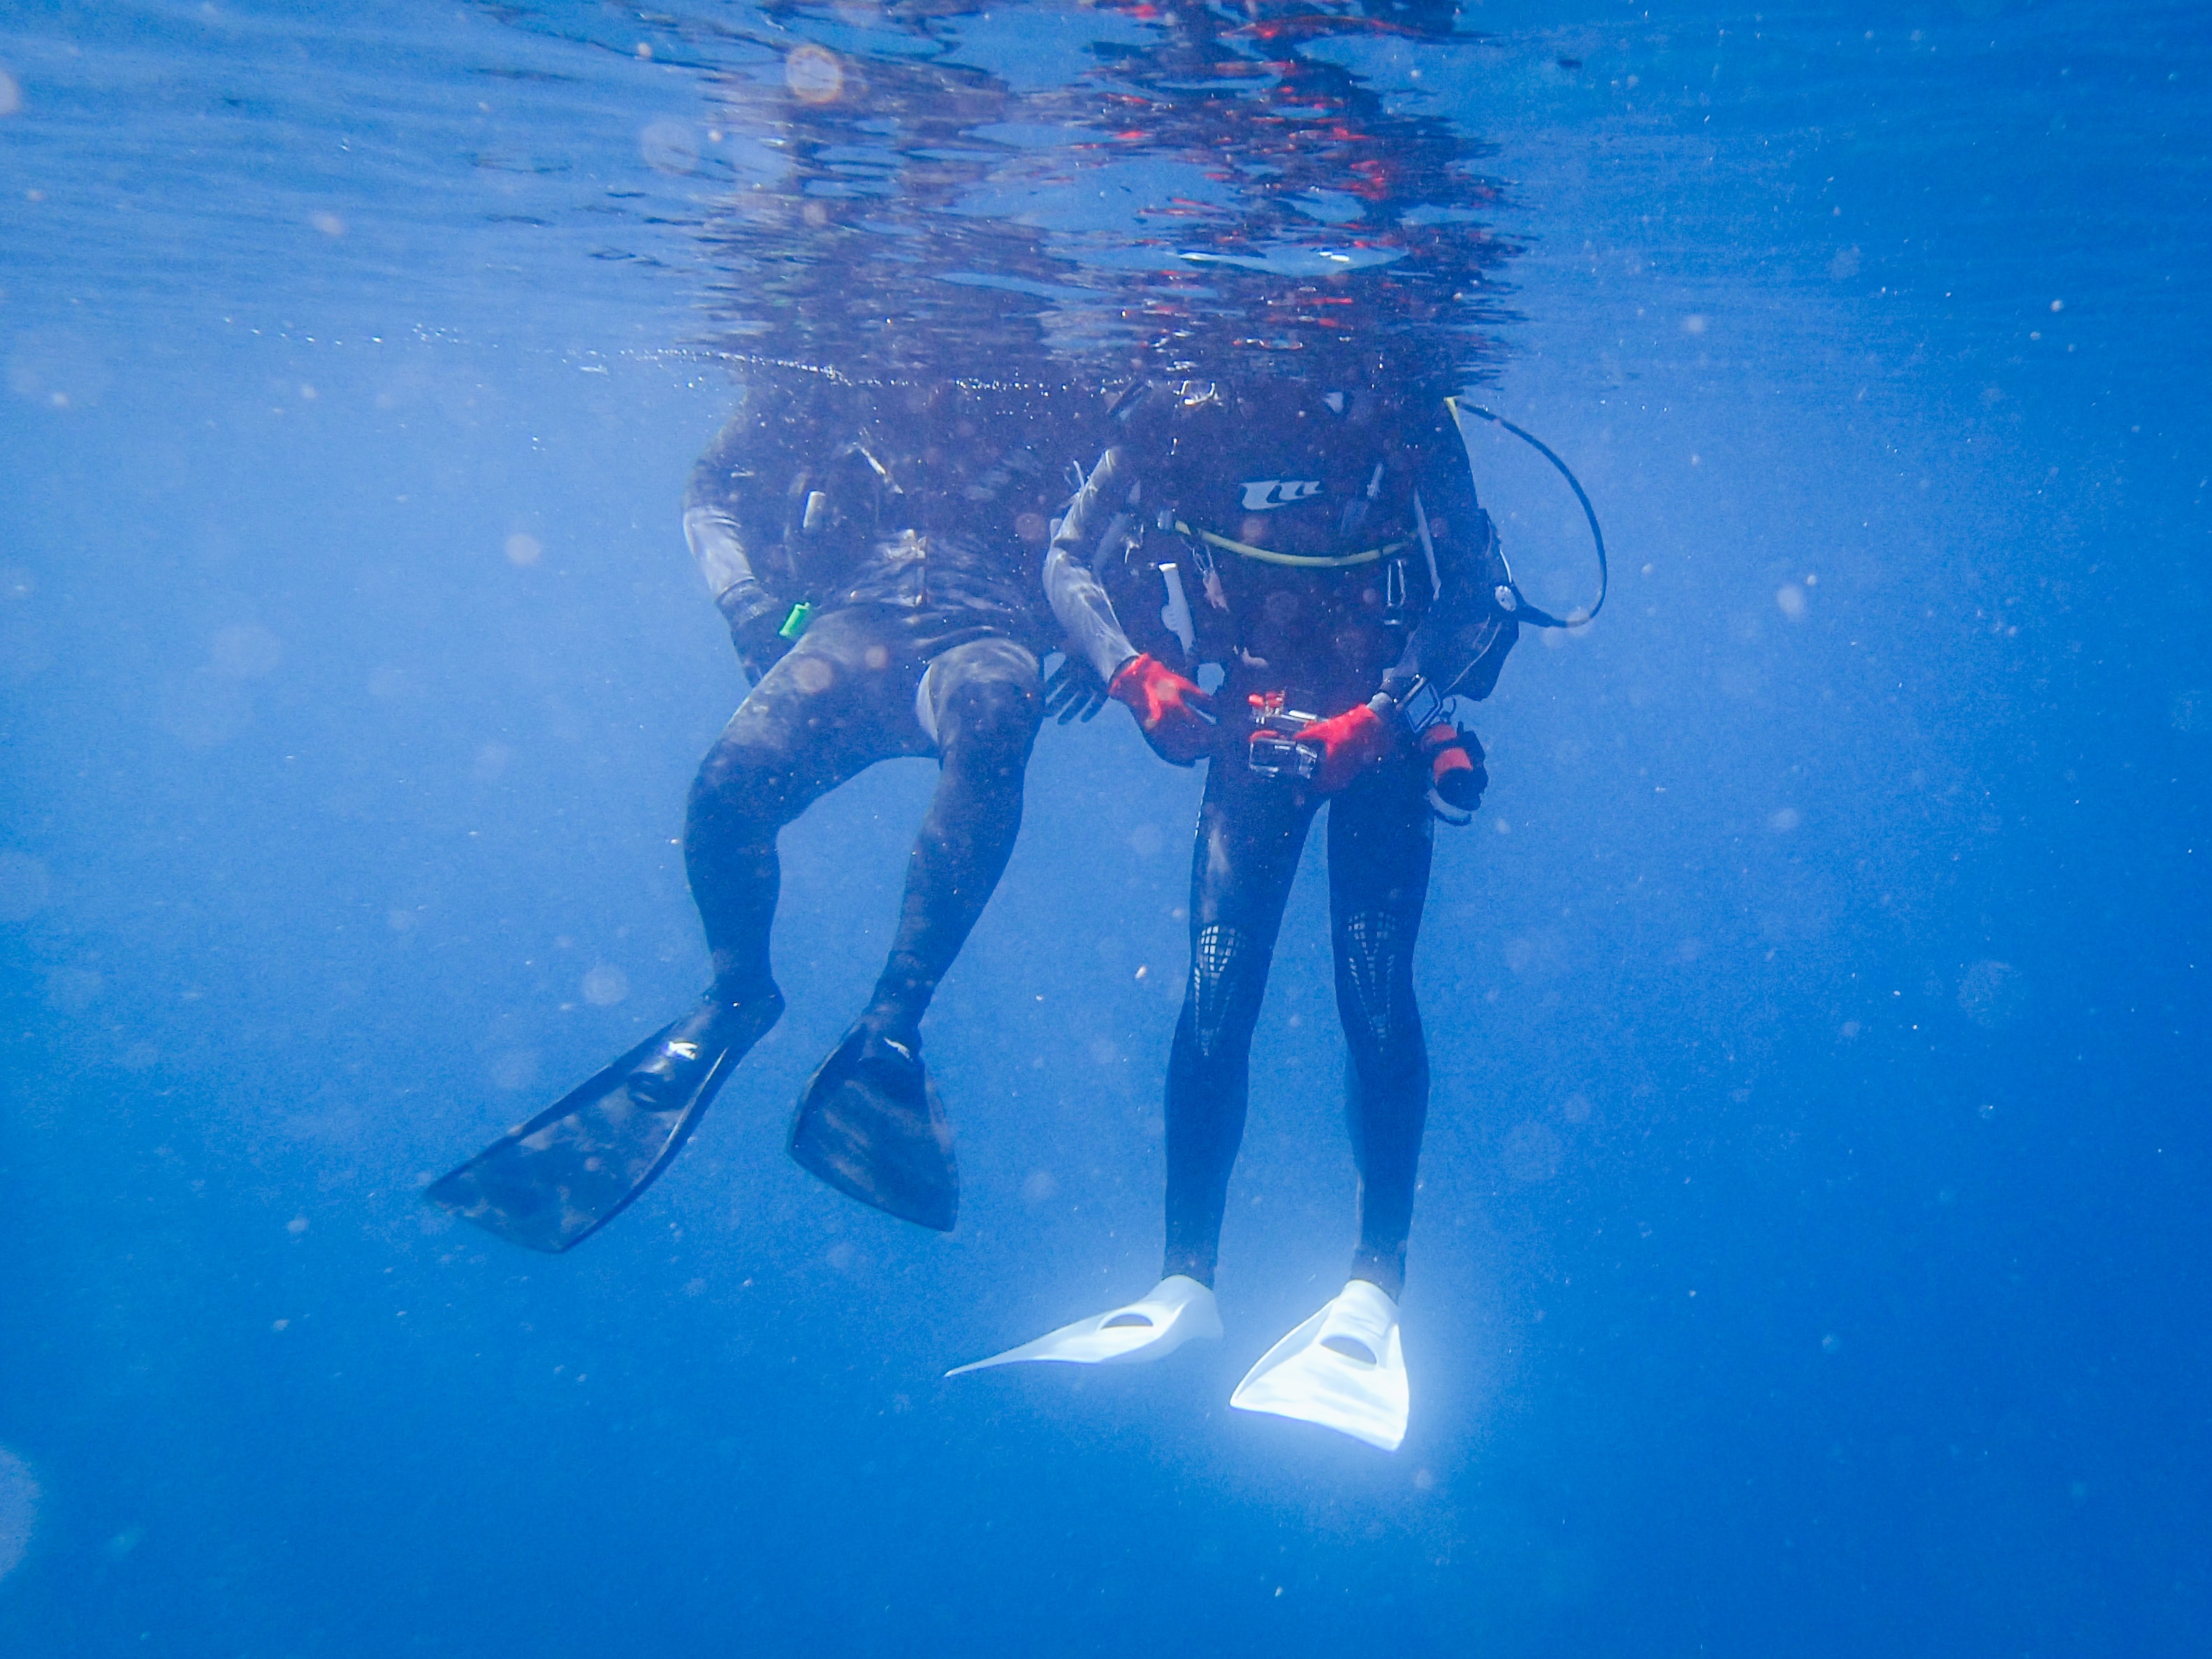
(1175,715)
(1074,691)
(756,618)
(1457,776)
(1349,743)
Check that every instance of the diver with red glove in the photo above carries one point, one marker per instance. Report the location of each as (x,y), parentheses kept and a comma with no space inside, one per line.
(1326,548)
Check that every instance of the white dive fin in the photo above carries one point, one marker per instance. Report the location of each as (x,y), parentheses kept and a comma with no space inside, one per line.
(1172,1313)
(1343,1369)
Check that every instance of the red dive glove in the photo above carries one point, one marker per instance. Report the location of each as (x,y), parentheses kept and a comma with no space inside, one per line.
(1175,716)
(1349,743)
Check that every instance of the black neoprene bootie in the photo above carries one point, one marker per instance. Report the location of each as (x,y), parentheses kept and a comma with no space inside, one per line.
(722,1025)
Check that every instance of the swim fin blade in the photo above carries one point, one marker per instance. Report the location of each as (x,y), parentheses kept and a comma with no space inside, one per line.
(1344,1368)
(1176,1311)
(552,1182)
(869,1123)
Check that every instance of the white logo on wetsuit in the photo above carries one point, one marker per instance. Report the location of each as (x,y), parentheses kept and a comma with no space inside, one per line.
(1263,494)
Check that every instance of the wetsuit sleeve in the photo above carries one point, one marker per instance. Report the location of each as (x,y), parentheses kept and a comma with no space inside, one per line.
(724,495)
(1462,640)
(1077,597)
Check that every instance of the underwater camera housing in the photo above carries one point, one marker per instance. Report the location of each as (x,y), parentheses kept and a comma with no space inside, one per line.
(1274,750)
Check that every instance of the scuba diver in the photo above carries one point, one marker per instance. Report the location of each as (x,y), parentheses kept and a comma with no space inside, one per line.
(874,550)
(1327,549)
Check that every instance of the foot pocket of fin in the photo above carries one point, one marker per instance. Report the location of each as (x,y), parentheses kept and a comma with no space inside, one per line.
(871,1125)
(1343,1369)
(1176,1311)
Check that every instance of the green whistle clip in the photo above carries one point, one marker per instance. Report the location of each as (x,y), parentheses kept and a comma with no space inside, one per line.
(796,623)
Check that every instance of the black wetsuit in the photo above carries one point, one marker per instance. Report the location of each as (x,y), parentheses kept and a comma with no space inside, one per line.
(1210,482)
(912,520)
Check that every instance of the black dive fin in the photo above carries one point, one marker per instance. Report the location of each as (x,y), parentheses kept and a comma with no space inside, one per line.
(552,1182)
(871,1124)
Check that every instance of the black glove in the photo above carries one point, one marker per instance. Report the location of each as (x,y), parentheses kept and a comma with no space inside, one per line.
(754,616)
(1457,776)
(1074,690)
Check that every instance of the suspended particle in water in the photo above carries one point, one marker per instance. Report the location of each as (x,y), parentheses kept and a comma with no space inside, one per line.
(515,1069)
(25,886)
(669,147)
(329,223)
(1790,598)
(813,75)
(1993,995)
(73,990)
(606,986)
(246,651)
(524,551)
(1532,1152)
(19,1510)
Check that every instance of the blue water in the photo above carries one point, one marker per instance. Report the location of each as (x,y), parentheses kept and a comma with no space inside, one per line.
(1813,1232)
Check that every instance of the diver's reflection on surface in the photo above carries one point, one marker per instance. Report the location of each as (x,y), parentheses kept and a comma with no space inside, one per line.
(1192,192)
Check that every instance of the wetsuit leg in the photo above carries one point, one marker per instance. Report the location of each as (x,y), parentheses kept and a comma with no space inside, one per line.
(831,708)
(981,702)
(1250,831)
(1380,837)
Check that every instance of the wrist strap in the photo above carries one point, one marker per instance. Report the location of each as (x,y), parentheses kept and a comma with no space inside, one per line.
(1419,707)
(745,601)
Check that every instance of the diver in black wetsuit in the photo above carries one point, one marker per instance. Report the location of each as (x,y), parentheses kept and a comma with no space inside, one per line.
(1327,549)
(909,521)
(1330,552)
(874,550)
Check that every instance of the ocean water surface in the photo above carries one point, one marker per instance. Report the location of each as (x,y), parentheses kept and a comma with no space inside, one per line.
(1813,1207)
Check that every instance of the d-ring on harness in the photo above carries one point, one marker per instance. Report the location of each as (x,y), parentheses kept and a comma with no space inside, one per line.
(1510,596)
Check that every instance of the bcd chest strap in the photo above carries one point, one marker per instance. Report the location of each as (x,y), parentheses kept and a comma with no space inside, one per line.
(1296,560)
